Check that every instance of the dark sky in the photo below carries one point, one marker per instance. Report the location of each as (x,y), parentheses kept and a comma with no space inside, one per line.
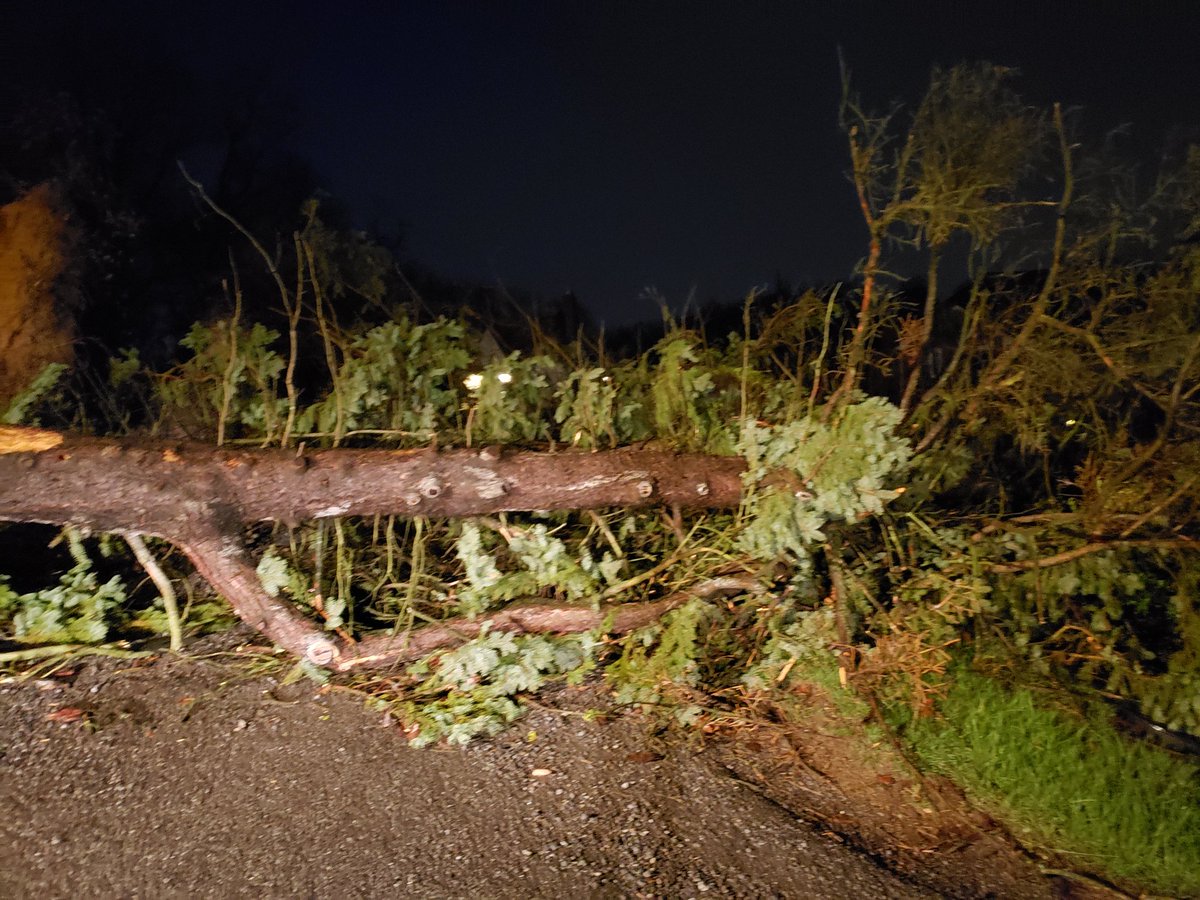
(607,147)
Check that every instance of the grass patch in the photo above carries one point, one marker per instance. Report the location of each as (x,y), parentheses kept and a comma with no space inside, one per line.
(1073,786)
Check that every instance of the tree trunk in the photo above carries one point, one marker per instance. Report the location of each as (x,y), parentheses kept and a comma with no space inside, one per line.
(200,497)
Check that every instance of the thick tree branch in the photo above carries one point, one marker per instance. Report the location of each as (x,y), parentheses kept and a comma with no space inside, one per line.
(533,618)
(119,485)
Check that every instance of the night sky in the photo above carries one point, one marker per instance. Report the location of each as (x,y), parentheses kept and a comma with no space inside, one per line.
(608,147)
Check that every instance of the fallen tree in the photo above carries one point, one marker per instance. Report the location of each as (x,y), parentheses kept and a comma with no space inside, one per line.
(200,498)
(1040,430)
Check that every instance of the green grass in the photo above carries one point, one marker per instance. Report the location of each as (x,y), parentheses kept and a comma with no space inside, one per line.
(1106,804)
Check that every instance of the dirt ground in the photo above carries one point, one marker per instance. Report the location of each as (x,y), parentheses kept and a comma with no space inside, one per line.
(193,777)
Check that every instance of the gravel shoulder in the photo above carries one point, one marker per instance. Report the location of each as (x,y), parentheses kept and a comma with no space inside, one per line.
(187,777)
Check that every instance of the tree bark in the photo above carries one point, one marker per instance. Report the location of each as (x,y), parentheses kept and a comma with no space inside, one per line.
(200,497)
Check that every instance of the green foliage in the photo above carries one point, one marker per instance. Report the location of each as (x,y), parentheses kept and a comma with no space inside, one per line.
(78,609)
(400,378)
(801,643)
(348,263)
(277,576)
(509,403)
(124,367)
(824,472)
(1163,677)
(587,409)
(971,140)
(1069,784)
(678,388)
(694,396)
(544,563)
(938,576)
(482,575)
(473,690)
(21,406)
(1121,619)
(551,564)
(230,384)
(660,660)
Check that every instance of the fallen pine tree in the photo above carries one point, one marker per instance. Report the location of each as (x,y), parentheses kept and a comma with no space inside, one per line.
(200,499)
(1041,423)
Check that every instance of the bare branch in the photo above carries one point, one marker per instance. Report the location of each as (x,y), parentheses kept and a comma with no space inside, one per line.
(162,582)
(1067,556)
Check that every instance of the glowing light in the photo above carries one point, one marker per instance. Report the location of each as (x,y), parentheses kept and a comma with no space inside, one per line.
(1071,422)
(473,381)
(504,377)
